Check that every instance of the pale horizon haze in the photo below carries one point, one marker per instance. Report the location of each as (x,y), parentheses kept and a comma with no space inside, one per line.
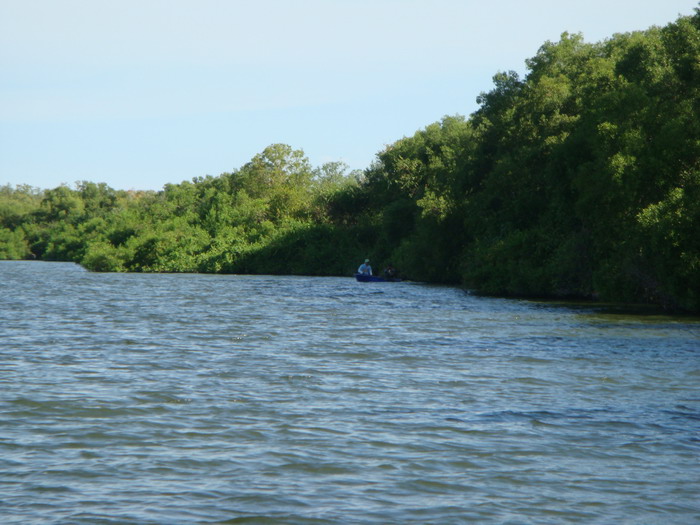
(138,94)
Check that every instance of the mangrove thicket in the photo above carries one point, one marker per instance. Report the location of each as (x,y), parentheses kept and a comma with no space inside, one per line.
(580,179)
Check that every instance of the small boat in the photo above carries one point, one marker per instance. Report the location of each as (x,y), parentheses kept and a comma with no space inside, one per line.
(363,278)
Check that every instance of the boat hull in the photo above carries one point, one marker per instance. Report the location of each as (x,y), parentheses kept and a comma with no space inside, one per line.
(374,279)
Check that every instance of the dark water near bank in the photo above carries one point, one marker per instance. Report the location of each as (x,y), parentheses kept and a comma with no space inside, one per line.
(255,399)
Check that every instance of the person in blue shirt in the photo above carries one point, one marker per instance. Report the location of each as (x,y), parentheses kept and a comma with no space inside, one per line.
(365,268)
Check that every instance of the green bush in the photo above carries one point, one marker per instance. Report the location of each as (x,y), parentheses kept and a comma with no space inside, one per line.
(13,245)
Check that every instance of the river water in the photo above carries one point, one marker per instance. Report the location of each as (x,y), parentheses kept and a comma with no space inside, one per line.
(149,399)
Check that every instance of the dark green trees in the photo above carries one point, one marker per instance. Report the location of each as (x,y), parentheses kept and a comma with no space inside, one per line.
(580,179)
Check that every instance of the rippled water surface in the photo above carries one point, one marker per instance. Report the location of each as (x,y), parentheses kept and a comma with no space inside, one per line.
(258,399)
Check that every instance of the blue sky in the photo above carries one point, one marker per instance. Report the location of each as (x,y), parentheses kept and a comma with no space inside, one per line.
(140,93)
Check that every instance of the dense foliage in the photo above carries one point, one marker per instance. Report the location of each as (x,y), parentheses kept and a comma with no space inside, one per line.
(271,216)
(581,179)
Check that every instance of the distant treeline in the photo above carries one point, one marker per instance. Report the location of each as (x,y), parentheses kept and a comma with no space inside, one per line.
(580,180)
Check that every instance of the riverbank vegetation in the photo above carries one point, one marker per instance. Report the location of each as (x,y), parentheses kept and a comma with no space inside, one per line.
(581,179)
